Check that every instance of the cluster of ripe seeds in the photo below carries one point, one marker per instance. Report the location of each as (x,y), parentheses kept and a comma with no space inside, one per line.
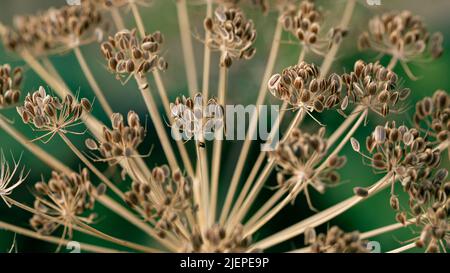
(195,118)
(433,115)
(435,234)
(218,240)
(232,34)
(373,87)
(128,55)
(302,87)
(402,35)
(48,113)
(335,241)
(166,199)
(10,81)
(63,201)
(298,158)
(119,142)
(56,29)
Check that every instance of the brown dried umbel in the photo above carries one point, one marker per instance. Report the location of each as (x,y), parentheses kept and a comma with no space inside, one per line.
(195,118)
(121,141)
(374,87)
(217,239)
(166,199)
(128,55)
(302,87)
(10,80)
(10,177)
(435,234)
(298,158)
(335,241)
(231,34)
(401,35)
(433,115)
(49,114)
(55,30)
(65,200)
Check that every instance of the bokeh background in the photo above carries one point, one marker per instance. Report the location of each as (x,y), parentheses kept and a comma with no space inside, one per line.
(244,81)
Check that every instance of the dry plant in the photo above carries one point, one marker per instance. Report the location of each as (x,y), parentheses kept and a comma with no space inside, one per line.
(176,202)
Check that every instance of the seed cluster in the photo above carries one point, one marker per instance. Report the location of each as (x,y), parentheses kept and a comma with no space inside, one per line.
(298,158)
(119,142)
(373,87)
(303,22)
(336,241)
(218,240)
(10,177)
(435,234)
(47,113)
(402,35)
(433,115)
(231,34)
(194,118)
(165,199)
(301,87)
(10,80)
(64,200)
(56,29)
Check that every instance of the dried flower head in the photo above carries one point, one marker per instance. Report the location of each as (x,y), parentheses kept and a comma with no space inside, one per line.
(49,114)
(337,241)
(121,141)
(433,115)
(302,87)
(65,200)
(435,234)
(166,199)
(231,34)
(195,118)
(56,30)
(128,55)
(373,87)
(10,177)
(10,80)
(298,159)
(401,35)
(217,239)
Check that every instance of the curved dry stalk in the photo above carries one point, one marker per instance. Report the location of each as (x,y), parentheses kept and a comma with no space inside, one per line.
(54,240)
(403,248)
(137,17)
(117,18)
(186,45)
(92,82)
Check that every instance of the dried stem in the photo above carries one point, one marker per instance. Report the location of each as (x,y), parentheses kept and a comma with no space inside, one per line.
(117,18)
(207,54)
(403,248)
(137,17)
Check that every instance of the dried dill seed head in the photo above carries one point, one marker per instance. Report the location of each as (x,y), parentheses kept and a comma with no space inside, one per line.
(121,141)
(10,80)
(232,34)
(435,234)
(47,113)
(65,199)
(172,203)
(373,87)
(10,177)
(433,115)
(217,240)
(56,30)
(298,158)
(301,87)
(195,118)
(401,35)
(337,241)
(127,54)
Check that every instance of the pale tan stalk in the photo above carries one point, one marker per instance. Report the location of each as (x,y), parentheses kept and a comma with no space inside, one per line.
(117,18)
(137,17)
(53,240)
(207,53)
(92,82)
(392,63)
(403,248)
(186,45)
(385,229)
(157,122)
(266,207)
(201,191)
(344,126)
(345,21)
(51,68)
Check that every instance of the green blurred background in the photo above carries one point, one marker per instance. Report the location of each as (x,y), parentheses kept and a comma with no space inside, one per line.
(244,81)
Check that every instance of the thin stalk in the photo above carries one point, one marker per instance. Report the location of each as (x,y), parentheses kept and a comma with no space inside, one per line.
(218,143)
(137,17)
(207,53)
(53,240)
(392,63)
(92,82)
(403,248)
(91,166)
(266,207)
(51,68)
(157,122)
(201,192)
(345,21)
(253,122)
(385,229)
(186,45)
(117,18)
